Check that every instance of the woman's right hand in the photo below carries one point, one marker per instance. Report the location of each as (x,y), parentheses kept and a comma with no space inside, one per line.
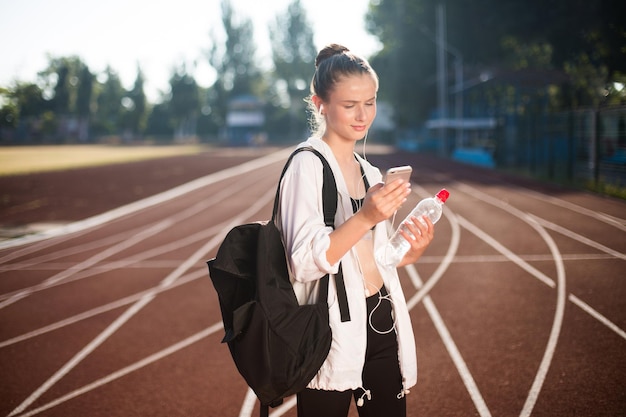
(383,200)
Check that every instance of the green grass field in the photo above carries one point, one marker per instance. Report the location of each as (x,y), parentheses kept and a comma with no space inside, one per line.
(30,159)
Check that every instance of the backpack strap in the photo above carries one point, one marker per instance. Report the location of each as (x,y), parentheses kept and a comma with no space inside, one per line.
(329,188)
(329,201)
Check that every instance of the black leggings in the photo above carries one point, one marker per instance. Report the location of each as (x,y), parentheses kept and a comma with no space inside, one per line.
(381,375)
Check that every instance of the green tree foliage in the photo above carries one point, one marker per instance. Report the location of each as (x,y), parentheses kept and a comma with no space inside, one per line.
(563,36)
(84,92)
(108,114)
(406,64)
(63,78)
(293,54)
(574,52)
(61,99)
(84,96)
(136,106)
(234,61)
(28,99)
(9,114)
(184,103)
(158,124)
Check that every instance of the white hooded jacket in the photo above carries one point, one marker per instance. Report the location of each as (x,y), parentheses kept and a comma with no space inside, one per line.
(301,221)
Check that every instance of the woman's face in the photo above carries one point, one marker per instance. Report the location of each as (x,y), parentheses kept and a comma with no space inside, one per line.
(351,108)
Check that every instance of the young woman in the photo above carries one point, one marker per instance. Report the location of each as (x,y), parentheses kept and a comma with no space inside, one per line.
(372,356)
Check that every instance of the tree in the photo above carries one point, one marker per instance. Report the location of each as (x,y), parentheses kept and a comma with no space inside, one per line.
(184,104)
(84,96)
(9,115)
(136,106)
(234,61)
(62,77)
(293,53)
(107,118)
(84,92)
(496,35)
(158,123)
(406,63)
(28,99)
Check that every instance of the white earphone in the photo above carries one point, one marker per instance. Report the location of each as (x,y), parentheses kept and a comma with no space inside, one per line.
(321,109)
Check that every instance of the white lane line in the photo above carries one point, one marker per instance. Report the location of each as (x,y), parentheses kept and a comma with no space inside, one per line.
(445,263)
(557,322)
(560,303)
(248,403)
(140,262)
(582,239)
(150,201)
(64,276)
(506,252)
(102,309)
(453,351)
(83,353)
(612,221)
(106,266)
(593,313)
(537,274)
(145,234)
(459,259)
(74,250)
(131,262)
(129,369)
(233,189)
(37,246)
(135,308)
(423,290)
(561,295)
(603,217)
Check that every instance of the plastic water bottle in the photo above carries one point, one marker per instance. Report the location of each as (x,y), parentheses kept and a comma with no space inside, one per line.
(392,253)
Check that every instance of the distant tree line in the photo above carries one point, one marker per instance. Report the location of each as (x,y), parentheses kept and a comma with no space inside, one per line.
(571,51)
(574,51)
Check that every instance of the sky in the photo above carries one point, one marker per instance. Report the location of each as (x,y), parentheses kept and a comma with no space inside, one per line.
(105,32)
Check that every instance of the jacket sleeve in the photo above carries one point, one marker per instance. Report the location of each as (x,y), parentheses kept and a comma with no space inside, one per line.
(305,235)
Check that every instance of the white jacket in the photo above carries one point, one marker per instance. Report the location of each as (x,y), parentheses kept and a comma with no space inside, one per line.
(306,240)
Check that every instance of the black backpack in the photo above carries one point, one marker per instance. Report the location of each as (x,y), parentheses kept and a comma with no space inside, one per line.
(277,345)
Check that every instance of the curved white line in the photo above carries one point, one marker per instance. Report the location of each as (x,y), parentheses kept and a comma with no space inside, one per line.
(580,238)
(556,324)
(455,241)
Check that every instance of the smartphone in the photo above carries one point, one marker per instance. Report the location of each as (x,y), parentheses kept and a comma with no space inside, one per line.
(394,173)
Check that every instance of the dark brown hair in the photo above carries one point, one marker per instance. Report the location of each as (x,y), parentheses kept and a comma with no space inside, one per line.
(333,63)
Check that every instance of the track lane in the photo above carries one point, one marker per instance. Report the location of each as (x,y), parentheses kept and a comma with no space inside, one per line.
(496,312)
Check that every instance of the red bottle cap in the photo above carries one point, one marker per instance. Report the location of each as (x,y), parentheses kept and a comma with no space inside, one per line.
(443,195)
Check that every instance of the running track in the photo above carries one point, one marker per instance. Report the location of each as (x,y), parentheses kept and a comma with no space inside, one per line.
(519,305)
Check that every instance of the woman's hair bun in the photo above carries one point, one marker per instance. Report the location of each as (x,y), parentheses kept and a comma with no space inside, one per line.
(329,51)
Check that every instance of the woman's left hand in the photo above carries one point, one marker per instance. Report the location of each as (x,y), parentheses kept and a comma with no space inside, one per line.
(419,235)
